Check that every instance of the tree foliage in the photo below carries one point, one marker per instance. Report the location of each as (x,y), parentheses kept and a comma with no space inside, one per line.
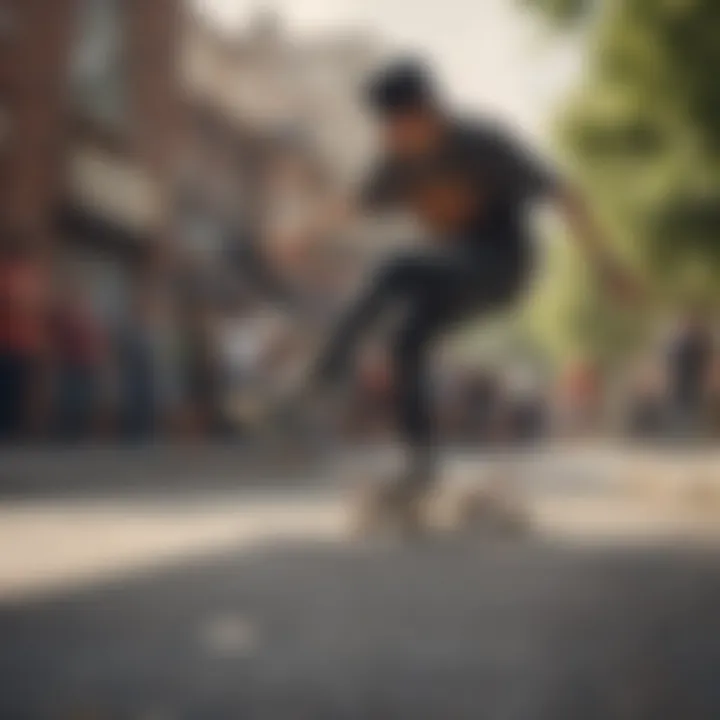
(642,133)
(562,12)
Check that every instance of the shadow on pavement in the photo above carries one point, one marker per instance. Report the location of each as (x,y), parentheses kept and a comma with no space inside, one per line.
(100,471)
(455,629)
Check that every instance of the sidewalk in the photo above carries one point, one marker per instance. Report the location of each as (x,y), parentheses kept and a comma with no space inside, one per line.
(569,468)
(102,469)
(110,526)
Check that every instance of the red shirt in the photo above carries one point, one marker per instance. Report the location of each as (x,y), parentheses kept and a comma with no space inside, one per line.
(77,338)
(22,307)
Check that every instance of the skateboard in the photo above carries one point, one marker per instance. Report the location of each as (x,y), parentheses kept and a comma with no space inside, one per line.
(485,509)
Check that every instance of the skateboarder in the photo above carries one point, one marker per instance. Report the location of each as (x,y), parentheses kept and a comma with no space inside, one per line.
(471,187)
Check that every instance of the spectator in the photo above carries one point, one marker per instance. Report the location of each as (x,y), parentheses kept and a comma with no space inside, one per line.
(713,396)
(645,401)
(167,369)
(247,338)
(201,368)
(22,332)
(371,411)
(136,369)
(527,406)
(79,350)
(580,398)
(690,356)
(483,397)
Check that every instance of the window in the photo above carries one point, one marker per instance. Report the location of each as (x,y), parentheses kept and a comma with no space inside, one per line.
(5,127)
(8,21)
(98,78)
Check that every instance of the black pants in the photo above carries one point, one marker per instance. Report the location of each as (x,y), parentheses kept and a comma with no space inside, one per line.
(15,382)
(434,291)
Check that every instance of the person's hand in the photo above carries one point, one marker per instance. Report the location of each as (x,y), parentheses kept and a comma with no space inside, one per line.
(619,283)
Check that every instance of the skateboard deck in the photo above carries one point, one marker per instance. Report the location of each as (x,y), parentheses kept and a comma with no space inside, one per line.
(478,509)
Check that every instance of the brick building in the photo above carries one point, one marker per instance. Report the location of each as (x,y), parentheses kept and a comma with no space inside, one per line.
(34,43)
(88,118)
(284,108)
(120,139)
(271,78)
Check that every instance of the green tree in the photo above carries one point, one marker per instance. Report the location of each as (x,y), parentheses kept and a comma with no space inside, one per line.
(642,134)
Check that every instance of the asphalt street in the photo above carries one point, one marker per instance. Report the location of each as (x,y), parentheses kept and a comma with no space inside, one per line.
(448,629)
(244,607)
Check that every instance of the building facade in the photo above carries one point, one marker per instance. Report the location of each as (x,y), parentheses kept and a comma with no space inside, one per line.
(294,104)
(283,83)
(88,111)
(35,37)
(120,142)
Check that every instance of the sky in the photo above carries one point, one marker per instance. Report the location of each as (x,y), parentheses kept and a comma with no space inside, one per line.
(492,54)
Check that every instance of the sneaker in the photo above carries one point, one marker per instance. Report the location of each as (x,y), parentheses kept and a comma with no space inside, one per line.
(397,504)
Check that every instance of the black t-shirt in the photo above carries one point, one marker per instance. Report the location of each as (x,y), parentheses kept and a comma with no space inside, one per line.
(497,177)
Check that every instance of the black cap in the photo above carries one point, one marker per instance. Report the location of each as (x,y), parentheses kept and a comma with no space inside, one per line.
(403,85)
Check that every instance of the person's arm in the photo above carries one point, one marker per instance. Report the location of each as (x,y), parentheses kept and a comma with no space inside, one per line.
(336,213)
(587,235)
(376,194)
(530,178)
(526,176)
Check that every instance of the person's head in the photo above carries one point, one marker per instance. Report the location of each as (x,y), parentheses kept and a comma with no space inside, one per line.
(405,99)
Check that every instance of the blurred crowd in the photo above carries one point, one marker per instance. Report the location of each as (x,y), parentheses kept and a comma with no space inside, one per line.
(172,364)
(669,392)
(203,366)
(676,392)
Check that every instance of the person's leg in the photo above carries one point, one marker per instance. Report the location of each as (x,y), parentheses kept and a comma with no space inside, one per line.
(406,277)
(374,299)
(14,382)
(7,390)
(413,394)
(441,290)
